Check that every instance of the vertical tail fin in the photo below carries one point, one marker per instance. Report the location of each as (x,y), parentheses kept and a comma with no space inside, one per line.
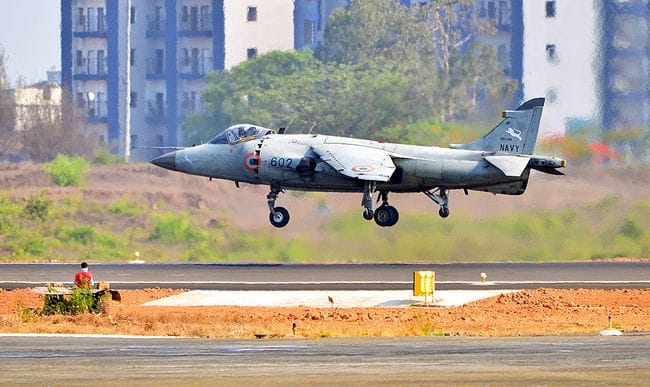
(516,134)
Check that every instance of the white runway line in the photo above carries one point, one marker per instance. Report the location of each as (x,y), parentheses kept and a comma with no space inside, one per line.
(319,298)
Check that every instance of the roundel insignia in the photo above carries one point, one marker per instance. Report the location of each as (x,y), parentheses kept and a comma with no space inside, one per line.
(252,162)
(363,168)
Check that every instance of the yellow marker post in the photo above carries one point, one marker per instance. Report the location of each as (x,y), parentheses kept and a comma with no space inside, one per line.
(424,284)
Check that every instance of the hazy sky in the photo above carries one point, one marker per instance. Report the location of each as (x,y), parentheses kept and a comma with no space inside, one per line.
(30,34)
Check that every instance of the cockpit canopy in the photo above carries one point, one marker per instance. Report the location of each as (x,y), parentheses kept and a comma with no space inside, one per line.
(240,133)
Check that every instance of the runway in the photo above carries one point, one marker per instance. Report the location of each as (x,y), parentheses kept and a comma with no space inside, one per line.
(70,360)
(455,276)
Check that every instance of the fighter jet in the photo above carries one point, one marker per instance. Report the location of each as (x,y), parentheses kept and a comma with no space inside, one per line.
(499,162)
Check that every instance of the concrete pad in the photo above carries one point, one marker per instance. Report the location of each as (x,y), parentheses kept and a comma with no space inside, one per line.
(319,298)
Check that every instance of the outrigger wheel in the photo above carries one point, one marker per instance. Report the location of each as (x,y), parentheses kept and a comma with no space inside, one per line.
(368,214)
(279,217)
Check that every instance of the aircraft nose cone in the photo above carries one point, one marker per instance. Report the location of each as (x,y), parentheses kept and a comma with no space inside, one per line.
(168,160)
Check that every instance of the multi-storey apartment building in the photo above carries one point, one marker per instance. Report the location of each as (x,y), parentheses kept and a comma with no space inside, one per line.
(169,46)
(589,58)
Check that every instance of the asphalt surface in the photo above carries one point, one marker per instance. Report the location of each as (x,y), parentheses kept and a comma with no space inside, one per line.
(66,360)
(456,276)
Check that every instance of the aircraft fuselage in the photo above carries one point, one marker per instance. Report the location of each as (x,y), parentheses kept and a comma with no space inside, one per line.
(276,160)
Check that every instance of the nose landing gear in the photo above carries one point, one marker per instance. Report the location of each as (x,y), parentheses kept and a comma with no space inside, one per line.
(278,216)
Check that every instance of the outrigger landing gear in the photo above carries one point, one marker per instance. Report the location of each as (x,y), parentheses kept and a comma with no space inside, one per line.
(440,196)
(279,216)
(366,201)
(386,215)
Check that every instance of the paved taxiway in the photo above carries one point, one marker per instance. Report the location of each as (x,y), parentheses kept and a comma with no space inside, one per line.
(456,276)
(70,360)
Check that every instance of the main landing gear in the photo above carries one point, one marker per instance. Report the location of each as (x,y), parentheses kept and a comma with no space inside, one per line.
(385,215)
(441,197)
(278,216)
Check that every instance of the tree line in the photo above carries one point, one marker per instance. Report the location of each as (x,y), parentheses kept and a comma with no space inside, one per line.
(381,65)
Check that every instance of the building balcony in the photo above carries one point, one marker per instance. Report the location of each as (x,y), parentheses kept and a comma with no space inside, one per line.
(155,112)
(89,26)
(90,69)
(195,25)
(155,27)
(155,68)
(94,111)
(194,67)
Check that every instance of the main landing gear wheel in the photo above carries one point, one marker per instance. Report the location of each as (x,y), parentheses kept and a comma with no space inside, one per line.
(386,216)
(279,217)
(443,212)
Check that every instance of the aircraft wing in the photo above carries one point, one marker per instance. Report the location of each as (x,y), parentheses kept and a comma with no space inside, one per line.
(357,161)
(509,165)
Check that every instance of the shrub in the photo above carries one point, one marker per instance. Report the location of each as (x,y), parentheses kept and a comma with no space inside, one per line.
(37,207)
(81,234)
(176,228)
(67,171)
(125,207)
(81,300)
(105,158)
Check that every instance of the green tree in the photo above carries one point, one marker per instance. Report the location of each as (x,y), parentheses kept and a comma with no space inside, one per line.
(297,91)
(434,43)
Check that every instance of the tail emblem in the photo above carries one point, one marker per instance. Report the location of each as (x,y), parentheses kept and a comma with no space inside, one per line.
(514,133)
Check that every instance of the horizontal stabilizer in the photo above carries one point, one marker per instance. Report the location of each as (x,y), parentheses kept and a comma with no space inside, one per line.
(549,170)
(512,166)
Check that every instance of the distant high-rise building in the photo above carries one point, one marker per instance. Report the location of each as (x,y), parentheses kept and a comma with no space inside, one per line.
(173,44)
(589,58)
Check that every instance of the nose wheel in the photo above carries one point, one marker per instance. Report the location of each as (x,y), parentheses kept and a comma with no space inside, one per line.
(278,216)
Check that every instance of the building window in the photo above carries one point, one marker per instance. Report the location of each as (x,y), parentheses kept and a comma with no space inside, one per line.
(309,32)
(132,57)
(80,58)
(491,10)
(251,53)
(132,15)
(251,15)
(550,8)
(81,101)
(134,99)
(504,13)
(551,53)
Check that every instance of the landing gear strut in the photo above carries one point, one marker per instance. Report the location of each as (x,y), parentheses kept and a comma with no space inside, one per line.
(278,216)
(440,196)
(366,201)
(386,215)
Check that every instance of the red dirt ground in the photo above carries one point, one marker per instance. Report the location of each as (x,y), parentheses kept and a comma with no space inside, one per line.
(534,312)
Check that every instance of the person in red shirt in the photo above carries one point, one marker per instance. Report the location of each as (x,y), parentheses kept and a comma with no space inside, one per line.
(84,278)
